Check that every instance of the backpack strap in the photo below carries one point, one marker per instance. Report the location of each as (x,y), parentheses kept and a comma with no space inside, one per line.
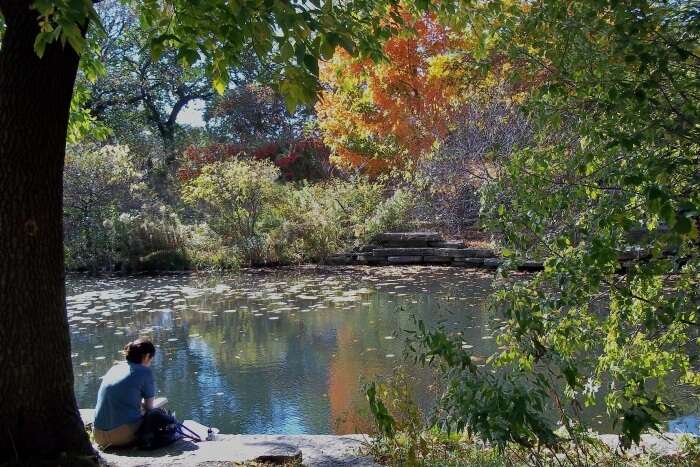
(182,429)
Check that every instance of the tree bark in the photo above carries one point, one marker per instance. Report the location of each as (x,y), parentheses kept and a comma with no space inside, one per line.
(38,411)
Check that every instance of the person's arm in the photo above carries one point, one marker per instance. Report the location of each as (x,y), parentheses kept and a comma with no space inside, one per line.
(148,404)
(148,392)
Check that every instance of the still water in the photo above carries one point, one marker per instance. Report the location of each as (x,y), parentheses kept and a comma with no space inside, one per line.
(279,351)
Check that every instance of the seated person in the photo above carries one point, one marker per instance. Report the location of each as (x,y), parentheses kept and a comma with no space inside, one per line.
(126,392)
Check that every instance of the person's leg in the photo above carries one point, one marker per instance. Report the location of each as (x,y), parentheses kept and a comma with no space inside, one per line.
(122,435)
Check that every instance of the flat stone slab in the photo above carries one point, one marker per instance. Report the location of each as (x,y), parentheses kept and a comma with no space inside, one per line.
(437,259)
(227,450)
(530,265)
(405,259)
(403,252)
(407,238)
(469,262)
(663,444)
(370,259)
(447,244)
(492,263)
(465,252)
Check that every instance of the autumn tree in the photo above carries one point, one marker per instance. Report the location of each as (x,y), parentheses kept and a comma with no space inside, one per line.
(39,57)
(377,116)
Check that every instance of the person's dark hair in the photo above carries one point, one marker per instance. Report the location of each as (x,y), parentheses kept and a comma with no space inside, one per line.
(135,351)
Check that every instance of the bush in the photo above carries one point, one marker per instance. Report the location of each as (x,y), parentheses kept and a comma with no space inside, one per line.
(259,220)
(392,215)
(151,240)
(404,435)
(206,250)
(322,219)
(239,200)
(311,227)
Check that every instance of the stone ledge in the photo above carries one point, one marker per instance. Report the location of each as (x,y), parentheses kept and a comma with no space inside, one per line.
(465,252)
(228,450)
(404,259)
(403,252)
(318,450)
(469,262)
(401,237)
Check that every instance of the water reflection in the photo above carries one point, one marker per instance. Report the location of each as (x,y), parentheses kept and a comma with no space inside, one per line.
(269,352)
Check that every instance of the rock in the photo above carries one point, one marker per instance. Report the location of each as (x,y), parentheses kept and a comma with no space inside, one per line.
(228,450)
(437,259)
(661,445)
(407,238)
(368,248)
(531,265)
(403,252)
(447,244)
(415,244)
(450,252)
(464,252)
(479,252)
(492,263)
(281,455)
(341,259)
(405,259)
(370,259)
(468,262)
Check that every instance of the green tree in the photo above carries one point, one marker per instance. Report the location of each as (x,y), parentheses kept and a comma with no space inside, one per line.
(39,59)
(607,191)
(137,96)
(98,184)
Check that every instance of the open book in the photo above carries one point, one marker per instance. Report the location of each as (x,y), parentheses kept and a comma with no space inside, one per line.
(160,402)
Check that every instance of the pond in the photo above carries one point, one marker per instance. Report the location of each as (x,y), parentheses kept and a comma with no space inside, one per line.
(270,351)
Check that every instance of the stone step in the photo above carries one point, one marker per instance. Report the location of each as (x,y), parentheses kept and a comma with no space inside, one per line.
(407,239)
(447,244)
(403,252)
(465,252)
(405,259)
(437,259)
(468,262)
(368,258)
(492,263)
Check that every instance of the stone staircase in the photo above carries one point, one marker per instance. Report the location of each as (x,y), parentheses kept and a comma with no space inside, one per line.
(427,248)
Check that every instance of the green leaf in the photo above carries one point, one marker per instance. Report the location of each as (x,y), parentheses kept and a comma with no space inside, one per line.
(683,225)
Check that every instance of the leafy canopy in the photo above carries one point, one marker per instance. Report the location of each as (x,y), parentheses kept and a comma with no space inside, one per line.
(294,34)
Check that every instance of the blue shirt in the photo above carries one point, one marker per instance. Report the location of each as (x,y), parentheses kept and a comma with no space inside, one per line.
(120,394)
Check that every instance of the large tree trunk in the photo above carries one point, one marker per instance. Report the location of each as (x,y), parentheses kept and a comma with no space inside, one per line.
(38,411)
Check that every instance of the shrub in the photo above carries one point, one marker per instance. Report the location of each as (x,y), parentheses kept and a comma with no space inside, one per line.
(206,250)
(239,200)
(154,239)
(311,227)
(392,215)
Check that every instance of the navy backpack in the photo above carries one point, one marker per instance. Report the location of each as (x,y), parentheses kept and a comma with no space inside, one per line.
(160,428)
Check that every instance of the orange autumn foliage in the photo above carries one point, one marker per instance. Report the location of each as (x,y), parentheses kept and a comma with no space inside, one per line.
(378,117)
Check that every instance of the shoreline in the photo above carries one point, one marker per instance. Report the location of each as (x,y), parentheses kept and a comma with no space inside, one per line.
(319,450)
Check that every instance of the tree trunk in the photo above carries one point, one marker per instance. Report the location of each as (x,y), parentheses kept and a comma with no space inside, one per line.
(38,411)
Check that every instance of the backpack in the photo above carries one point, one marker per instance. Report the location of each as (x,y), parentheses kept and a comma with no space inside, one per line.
(159,429)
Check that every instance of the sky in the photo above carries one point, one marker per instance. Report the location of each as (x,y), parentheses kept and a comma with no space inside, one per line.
(192,114)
